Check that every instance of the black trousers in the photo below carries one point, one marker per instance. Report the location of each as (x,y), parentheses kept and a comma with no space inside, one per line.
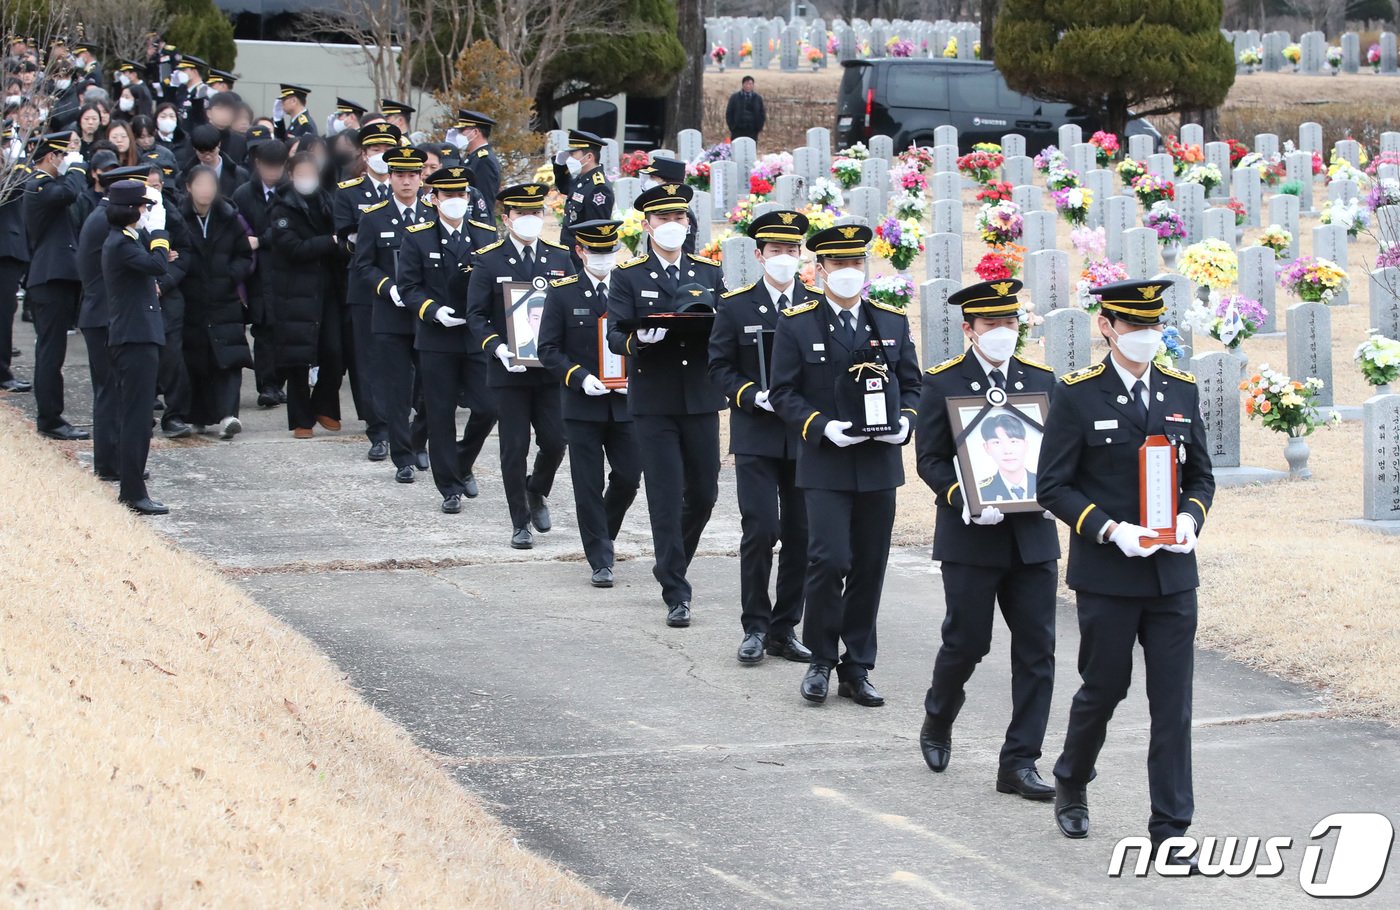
(1108,627)
(848,547)
(680,461)
(306,402)
(520,408)
(55,308)
(355,342)
(106,403)
(601,509)
(11,271)
(135,367)
(264,358)
(1026,594)
(771,509)
(174,377)
(395,381)
(446,380)
(213,390)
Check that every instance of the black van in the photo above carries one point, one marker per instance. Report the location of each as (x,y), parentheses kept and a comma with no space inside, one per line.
(907,98)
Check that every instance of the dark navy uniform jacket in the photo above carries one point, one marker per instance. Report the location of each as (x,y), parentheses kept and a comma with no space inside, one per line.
(808,358)
(350,201)
(671,376)
(53,238)
(1022,538)
(434,273)
(14,242)
(493,266)
(93,312)
(569,347)
(734,368)
(1089,475)
(590,198)
(486,178)
(381,233)
(131,263)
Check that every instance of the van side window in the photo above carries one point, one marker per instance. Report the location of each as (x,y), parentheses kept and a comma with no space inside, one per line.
(973,90)
(915,86)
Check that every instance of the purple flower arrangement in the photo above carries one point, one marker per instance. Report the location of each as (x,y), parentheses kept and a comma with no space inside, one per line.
(1167,223)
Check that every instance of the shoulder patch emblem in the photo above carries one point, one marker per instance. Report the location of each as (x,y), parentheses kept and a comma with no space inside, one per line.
(599,179)
(940,367)
(353,181)
(734,293)
(631,262)
(420,226)
(1088,372)
(281,222)
(1177,374)
(482,153)
(1033,363)
(560,282)
(801,308)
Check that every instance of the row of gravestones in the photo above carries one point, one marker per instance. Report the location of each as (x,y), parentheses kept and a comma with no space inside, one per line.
(1313,51)
(787,39)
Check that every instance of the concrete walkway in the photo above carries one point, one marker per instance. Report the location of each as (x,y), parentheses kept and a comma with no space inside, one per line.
(667,775)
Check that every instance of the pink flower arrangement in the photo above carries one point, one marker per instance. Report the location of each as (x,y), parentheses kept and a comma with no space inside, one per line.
(909,180)
(1105,147)
(718,53)
(1089,242)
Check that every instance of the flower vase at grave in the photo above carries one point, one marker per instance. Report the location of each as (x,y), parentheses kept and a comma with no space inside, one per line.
(1382,389)
(1169,253)
(1237,351)
(815,66)
(1239,234)
(1203,295)
(1296,451)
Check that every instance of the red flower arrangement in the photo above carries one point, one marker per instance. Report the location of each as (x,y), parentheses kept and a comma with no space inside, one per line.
(981,166)
(759,187)
(1004,261)
(1237,207)
(632,163)
(1237,150)
(995,191)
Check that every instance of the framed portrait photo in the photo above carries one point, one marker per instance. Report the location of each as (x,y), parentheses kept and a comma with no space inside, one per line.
(612,368)
(524,310)
(999,449)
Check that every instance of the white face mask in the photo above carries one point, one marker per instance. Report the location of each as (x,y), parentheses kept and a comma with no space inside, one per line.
(458,140)
(179,77)
(574,166)
(454,208)
(600,265)
(648,183)
(166,126)
(337,126)
(527,227)
(307,186)
(670,236)
(62,84)
(123,78)
(1139,346)
(998,344)
(12,99)
(126,104)
(781,268)
(846,283)
(377,164)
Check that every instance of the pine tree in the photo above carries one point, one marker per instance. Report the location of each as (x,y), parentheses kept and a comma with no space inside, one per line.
(199,27)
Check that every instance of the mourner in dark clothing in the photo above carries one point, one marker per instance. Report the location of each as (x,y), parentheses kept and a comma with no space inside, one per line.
(254,202)
(745,115)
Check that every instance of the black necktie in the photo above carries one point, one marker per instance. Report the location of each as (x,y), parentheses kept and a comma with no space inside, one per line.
(674,273)
(1140,401)
(782,302)
(1018,493)
(603,290)
(383,191)
(528,255)
(998,378)
(453,237)
(408,216)
(848,325)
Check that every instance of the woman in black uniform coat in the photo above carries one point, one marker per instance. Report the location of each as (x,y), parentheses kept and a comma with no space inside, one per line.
(132,260)
(216,345)
(306,261)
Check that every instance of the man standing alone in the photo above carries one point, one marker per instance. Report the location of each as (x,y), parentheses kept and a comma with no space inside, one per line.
(745,115)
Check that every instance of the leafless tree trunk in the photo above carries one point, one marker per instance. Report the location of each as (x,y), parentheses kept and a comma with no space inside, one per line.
(685,106)
(119,27)
(989,16)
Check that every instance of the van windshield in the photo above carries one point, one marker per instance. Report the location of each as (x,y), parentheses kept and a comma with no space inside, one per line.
(851,99)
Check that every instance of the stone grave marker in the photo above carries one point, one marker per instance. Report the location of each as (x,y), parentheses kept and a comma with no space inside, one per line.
(1028,196)
(947,217)
(1218,378)
(875,173)
(1083,157)
(805,163)
(625,192)
(790,191)
(1218,154)
(1330,242)
(1052,289)
(881,147)
(1190,203)
(1070,136)
(1067,340)
(1349,150)
(1351,52)
(1381,438)
(1248,189)
(1162,165)
(1385,302)
(1017,170)
(946,186)
(1310,137)
(1140,252)
(947,135)
(1012,144)
(1139,147)
(1193,134)
(1284,211)
(940,325)
(690,144)
(791,39)
(1220,225)
(703,208)
(1299,170)
(943,256)
(1310,346)
(1388,54)
(1258,269)
(1100,186)
(724,187)
(863,203)
(743,152)
(738,265)
(1266,144)
(945,158)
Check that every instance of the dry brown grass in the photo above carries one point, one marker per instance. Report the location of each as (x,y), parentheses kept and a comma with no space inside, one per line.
(167,743)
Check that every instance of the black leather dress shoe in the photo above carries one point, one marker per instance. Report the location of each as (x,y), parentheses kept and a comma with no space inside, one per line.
(539,511)
(422,461)
(452,504)
(472,491)
(861,692)
(268,400)
(815,683)
(678,615)
(602,578)
(1178,858)
(147,506)
(281,396)
(1024,782)
(788,648)
(176,429)
(522,539)
(751,649)
(378,452)
(1071,810)
(404,474)
(65,432)
(17,385)
(936,742)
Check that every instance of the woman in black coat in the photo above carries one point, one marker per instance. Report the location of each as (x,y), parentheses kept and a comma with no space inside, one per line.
(219,261)
(306,261)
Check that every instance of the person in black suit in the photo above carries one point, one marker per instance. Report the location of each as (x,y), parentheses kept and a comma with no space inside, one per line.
(254,200)
(57,178)
(991,558)
(526,397)
(379,236)
(173,380)
(473,137)
(849,482)
(1128,591)
(14,257)
(596,417)
(207,143)
(295,122)
(578,173)
(674,404)
(771,507)
(434,264)
(134,255)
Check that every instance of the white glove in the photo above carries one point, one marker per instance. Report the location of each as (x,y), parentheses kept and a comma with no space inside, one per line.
(651,336)
(592,385)
(1185,535)
(898,436)
(68,161)
(277,109)
(561,156)
(446,317)
(155,218)
(503,355)
(991,515)
(836,432)
(622,390)
(761,401)
(394,295)
(1048,514)
(1128,537)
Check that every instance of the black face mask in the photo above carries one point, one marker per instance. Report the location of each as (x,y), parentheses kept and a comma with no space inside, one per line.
(344,157)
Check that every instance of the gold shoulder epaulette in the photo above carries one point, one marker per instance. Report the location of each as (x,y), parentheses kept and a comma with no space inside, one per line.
(598,178)
(353,181)
(986,483)
(1177,374)
(550,243)
(481,224)
(482,153)
(801,308)
(560,282)
(376,207)
(814,289)
(727,294)
(940,367)
(631,262)
(420,226)
(489,247)
(702,259)
(888,308)
(1080,375)
(1034,363)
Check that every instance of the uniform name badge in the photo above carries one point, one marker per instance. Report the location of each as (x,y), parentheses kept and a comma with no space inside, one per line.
(612,368)
(867,395)
(1157,489)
